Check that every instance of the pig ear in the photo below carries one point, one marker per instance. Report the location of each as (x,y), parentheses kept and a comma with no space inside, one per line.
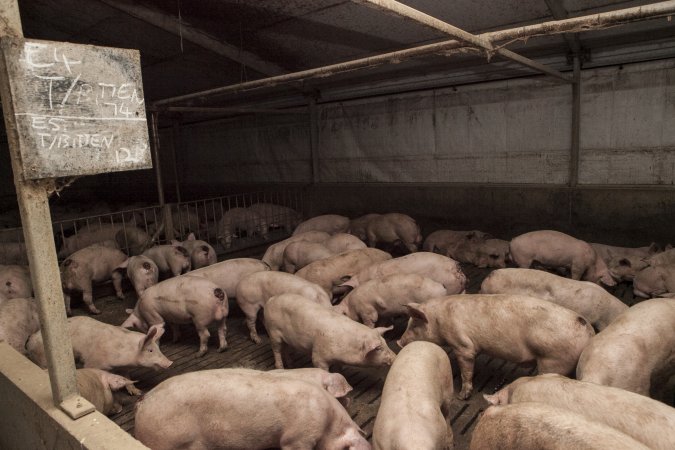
(371,346)
(191,237)
(158,332)
(383,330)
(416,313)
(124,265)
(491,399)
(151,336)
(624,262)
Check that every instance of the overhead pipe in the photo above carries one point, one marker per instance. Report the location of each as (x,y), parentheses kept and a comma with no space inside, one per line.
(573,25)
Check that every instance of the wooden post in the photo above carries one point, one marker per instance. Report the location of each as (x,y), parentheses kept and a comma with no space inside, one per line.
(33,202)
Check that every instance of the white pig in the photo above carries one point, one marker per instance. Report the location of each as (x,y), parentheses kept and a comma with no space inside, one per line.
(655,281)
(358,226)
(142,271)
(555,249)
(181,300)
(242,219)
(88,235)
(93,264)
(228,409)
(329,223)
(537,426)
(227,274)
(386,297)
(415,407)
(107,347)
(277,215)
(334,383)
(98,385)
(294,321)
(395,229)
(491,253)
(201,253)
(446,242)
(609,252)
(18,321)
(343,242)
(515,328)
(299,254)
(170,259)
(256,289)
(275,252)
(635,352)
(664,258)
(617,408)
(586,298)
(15,281)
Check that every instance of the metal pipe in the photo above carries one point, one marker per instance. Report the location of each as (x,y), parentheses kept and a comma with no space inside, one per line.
(207,109)
(576,123)
(463,36)
(175,135)
(577,24)
(166,209)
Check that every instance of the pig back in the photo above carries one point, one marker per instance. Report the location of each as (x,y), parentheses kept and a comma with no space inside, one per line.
(274,253)
(90,386)
(227,274)
(329,223)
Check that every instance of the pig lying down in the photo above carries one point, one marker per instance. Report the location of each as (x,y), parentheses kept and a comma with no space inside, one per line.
(555,249)
(293,321)
(645,420)
(515,328)
(228,408)
(394,229)
(98,386)
(18,321)
(328,223)
(415,407)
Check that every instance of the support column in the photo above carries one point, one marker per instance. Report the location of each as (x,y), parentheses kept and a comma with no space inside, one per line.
(576,122)
(314,138)
(33,199)
(166,209)
(175,139)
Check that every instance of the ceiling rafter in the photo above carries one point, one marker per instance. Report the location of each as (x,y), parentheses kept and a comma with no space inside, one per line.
(559,12)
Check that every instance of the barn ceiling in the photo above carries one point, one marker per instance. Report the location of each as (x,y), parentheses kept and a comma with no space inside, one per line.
(291,35)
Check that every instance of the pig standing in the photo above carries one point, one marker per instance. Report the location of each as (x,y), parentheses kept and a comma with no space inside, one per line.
(299,254)
(617,408)
(655,281)
(515,328)
(97,386)
(18,321)
(201,253)
(586,298)
(556,249)
(227,274)
(635,352)
(180,300)
(415,407)
(439,268)
(343,242)
(330,272)
(88,235)
(255,290)
(172,259)
(275,253)
(386,297)
(277,216)
(101,346)
(446,242)
(395,229)
(358,226)
(329,223)
(536,426)
(242,219)
(133,239)
(15,282)
(89,265)
(142,271)
(229,408)
(294,321)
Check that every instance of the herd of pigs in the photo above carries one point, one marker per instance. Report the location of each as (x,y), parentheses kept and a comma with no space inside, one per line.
(324,292)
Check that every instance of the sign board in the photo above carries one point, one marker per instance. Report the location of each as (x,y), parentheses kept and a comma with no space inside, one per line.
(79,108)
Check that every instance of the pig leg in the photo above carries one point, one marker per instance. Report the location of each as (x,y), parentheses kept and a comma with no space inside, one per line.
(117,284)
(222,329)
(66,298)
(88,300)
(277,349)
(203,340)
(320,362)
(576,271)
(466,359)
(251,312)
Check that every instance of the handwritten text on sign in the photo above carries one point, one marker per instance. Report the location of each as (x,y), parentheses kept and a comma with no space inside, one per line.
(80,109)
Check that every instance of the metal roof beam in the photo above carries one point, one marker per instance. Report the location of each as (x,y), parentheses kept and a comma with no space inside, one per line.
(559,12)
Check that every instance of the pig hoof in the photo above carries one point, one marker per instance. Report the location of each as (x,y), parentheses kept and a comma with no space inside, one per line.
(222,349)
(94,311)
(256,339)
(201,353)
(464,395)
(117,408)
(133,390)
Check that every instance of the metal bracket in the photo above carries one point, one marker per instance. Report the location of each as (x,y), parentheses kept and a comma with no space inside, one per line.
(76,407)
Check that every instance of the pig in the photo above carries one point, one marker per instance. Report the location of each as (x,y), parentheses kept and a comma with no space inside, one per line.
(608,252)
(491,253)
(180,300)
(555,249)
(617,408)
(255,290)
(301,253)
(343,242)
(358,226)
(99,345)
(329,223)
(275,252)
(334,383)
(395,229)
(277,216)
(91,265)
(201,253)
(134,240)
(97,386)
(446,242)
(330,272)
(18,321)
(227,274)
(386,297)
(242,219)
(588,299)
(663,258)
(15,282)
(655,281)
(170,259)
(635,352)
(13,253)
(515,328)
(439,268)
(415,407)
(87,235)
(232,408)
(329,337)
(625,269)
(536,426)
(142,271)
